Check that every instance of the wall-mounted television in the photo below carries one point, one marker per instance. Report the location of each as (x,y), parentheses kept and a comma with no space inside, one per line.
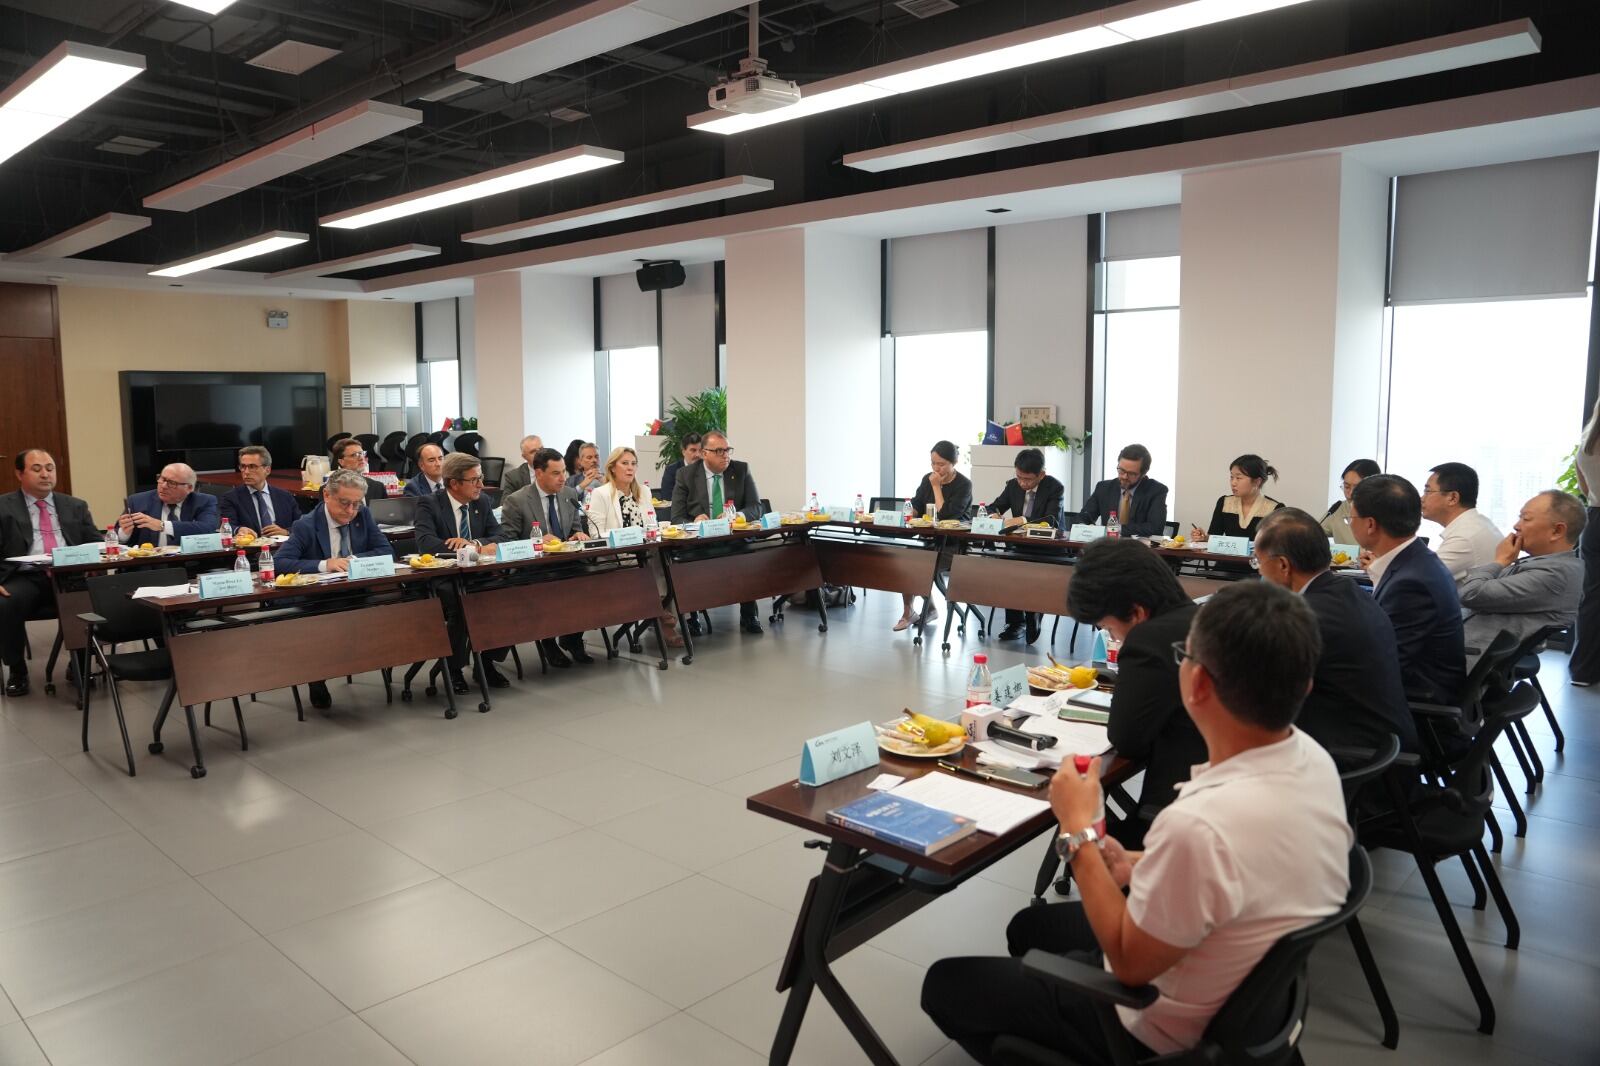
(203,419)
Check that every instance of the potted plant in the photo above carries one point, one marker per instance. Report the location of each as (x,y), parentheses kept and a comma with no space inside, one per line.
(1568,479)
(1053,435)
(700,413)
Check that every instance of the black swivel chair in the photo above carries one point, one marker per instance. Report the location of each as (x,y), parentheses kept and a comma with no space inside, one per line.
(369,444)
(469,442)
(1524,666)
(1259,1025)
(391,451)
(494,467)
(1361,773)
(413,442)
(335,439)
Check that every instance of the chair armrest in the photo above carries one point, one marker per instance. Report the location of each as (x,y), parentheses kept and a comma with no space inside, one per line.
(91,619)
(1409,759)
(1091,981)
(1434,710)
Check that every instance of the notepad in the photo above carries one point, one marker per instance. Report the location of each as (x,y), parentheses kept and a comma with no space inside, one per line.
(994,809)
(1072,738)
(161,592)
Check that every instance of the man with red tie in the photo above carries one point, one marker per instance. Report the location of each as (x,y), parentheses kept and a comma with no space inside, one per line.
(35,520)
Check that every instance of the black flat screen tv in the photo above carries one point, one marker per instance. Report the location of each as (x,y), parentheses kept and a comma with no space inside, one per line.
(203,419)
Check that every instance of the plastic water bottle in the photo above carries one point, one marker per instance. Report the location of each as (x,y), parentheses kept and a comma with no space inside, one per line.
(1080,763)
(240,563)
(729,512)
(812,506)
(980,686)
(906,512)
(1113,525)
(265,566)
(536,535)
(652,529)
(983,510)
(861,505)
(227,533)
(113,545)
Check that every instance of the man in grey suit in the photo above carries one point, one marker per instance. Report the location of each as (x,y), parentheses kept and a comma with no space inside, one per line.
(33,521)
(520,477)
(1523,595)
(705,488)
(558,510)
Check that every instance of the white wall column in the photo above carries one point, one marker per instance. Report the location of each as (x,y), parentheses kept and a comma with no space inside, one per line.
(844,322)
(1041,286)
(497,372)
(533,366)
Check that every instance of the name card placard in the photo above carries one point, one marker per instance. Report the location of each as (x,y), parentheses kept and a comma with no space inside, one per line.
(838,754)
(365,566)
(74,554)
(200,542)
(1352,551)
(624,537)
(1008,685)
(513,551)
(987,524)
(1228,545)
(1082,534)
(841,514)
(499,513)
(226,583)
(715,527)
(772,520)
(892,519)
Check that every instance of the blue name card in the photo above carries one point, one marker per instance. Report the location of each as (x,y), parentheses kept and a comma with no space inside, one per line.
(200,542)
(513,551)
(624,537)
(772,520)
(1228,545)
(1008,685)
(1082,534)
(893,519)
(226,583)
(715,527)
(839,754)
(74,554)
(987,524)
(365,566)
(841,514)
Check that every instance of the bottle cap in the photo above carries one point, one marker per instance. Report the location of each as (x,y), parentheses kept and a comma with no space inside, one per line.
(980,658)
(1080,763)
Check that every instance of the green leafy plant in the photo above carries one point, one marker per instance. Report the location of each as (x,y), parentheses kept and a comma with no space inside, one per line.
(1053,435)
(699,413)
(1568,479)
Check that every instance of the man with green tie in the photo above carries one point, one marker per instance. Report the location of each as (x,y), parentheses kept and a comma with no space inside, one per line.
(704,489)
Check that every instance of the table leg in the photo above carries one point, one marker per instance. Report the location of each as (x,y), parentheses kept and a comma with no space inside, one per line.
(949,619)
(661,644)
(199,767)
(822,609)
(483,682)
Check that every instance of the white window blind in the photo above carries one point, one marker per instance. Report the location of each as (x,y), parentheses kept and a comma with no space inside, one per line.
(1512,230)
(1143,233)
(627,316)
(939,283)
(439,331)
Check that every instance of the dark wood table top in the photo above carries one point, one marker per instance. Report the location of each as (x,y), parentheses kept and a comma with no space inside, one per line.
(556,559)
(402,577)
(677,544)
(124,561)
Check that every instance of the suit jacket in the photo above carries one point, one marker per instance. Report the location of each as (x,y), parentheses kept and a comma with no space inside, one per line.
(196,514)
(1148,721)
(1419,596)
(604,510)
(1523,598)
(518,477)
(520,510)
(308,542)
(1147,512)
(438,519)
(669,478)
(376,490)
(417,486)
(691,495)
(1356,698)
(16,526)
(239,507)
(1046,500)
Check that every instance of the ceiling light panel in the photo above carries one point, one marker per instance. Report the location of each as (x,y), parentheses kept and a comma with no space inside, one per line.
(992,55)
(210,7)
(654,203)
(585,31)
(320,141)
(292,57)
(366,260)
(545,168)
(1415,59)
(91,234)
(233,253)
(70,79)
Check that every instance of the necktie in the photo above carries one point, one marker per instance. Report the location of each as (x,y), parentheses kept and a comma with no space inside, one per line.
(343,535)
(1122,512)
(171,516)
(555,517)
(1027,505)
(466,524)
(47,529)
(263,511)
(716,495)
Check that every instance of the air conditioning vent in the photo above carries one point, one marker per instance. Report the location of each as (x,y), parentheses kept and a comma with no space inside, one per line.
(569,114)
(925,9)
(122,144)
(355,397)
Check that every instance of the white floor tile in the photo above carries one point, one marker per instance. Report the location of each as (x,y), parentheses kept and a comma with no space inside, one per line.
(696,829)
(391,788)
(776,873)
(30,828)
(19,1048)
(678,1041)
(54,882)
(33,780)
(472,831)
(520,757)
(201,839)
(347,1042)
(599,793)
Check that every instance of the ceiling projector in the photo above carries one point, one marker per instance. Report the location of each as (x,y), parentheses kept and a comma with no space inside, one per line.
(751,90)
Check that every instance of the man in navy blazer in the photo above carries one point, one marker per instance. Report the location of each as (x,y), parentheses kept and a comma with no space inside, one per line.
(255,505)
(1412,586)
(1139,501)
(169,512)
(448,521)
(430,476)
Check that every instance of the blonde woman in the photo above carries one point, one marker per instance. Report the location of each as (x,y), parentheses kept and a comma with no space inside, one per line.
(621,501)
(1585,664)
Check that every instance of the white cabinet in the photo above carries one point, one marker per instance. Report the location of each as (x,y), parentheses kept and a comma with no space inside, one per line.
(992,467)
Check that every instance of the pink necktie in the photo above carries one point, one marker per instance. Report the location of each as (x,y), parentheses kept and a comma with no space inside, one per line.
(47,532)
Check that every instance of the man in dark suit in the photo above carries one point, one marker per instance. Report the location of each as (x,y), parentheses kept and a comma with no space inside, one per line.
(324,541)
(429,479)
(705,488)
(255,505)
(1127,590)
(1412,586)
(349,455)
(520,477)
(689,446)
(1139,502)
(454,518)
(1031,496)
(33,521)
(1356,697)
(558,511)
(169,512)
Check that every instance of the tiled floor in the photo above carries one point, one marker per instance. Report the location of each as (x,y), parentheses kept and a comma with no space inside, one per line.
(572,878)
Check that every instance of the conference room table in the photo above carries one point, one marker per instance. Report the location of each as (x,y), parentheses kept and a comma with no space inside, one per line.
(747,564)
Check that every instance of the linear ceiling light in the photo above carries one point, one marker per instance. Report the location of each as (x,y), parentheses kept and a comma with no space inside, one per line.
(667,200)
(516,176)
(362,124)
(1038,44)
(91,234)
(397,254)
(210,7)
(246,249)
(588,30)
(1417,58)
(70,79)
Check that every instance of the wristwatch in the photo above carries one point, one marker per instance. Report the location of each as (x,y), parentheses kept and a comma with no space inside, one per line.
(1067,844)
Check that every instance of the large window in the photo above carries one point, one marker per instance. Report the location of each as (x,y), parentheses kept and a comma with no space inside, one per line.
(941,389)
(1496,385)
(444,391)
(634,375)
(1136,330)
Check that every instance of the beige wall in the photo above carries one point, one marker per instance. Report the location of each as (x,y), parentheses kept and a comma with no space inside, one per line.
(383,342)
(104,331)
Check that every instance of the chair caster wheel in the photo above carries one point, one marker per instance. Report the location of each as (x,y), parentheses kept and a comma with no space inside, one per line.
(483,708)
(49,688)
(687,659)
(405,695)
(961,631)
(1064,887)
(157,748)
(822,629)
(432,690)
(449,712)
(634,647)
(662,665)
(916,642)
(945,648)
(197,772)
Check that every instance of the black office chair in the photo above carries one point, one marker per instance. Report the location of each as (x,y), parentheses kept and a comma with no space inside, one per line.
(369,444)
(1524,666)
(1259,1025)
(469,442)
(391,451)
(45,611)
(1361,774)
(413,442)
(335,439)
(494,467)
(438,437)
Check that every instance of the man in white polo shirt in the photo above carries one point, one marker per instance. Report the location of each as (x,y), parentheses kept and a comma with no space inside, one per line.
(1255,846)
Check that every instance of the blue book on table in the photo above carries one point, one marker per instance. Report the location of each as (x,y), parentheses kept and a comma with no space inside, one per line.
(902,822)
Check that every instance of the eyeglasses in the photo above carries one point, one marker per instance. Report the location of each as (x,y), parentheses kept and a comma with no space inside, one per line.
(252,466)
(471,480)
(717,451)
(168,481)
(1181,652)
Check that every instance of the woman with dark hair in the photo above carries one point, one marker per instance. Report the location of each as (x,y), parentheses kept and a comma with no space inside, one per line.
(1241,511)
(571,455)
(950,494)
(1336,523)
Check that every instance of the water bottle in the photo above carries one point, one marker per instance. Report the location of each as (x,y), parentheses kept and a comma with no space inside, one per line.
(1113,525)
(730,512)
(240,563)
(227,533)
(812,506)
(906,512)
(980,686)
(113,545)
(536,535)
(265,566)
(983,510)
(651,528)
(1080,763)
(861,505)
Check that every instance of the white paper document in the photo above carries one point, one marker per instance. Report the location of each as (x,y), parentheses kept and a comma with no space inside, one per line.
(994,753)
(28,559)
(1072,738)
(161,592)
(995,810)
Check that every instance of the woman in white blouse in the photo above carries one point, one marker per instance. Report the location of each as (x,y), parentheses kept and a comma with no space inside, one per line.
(620,500)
